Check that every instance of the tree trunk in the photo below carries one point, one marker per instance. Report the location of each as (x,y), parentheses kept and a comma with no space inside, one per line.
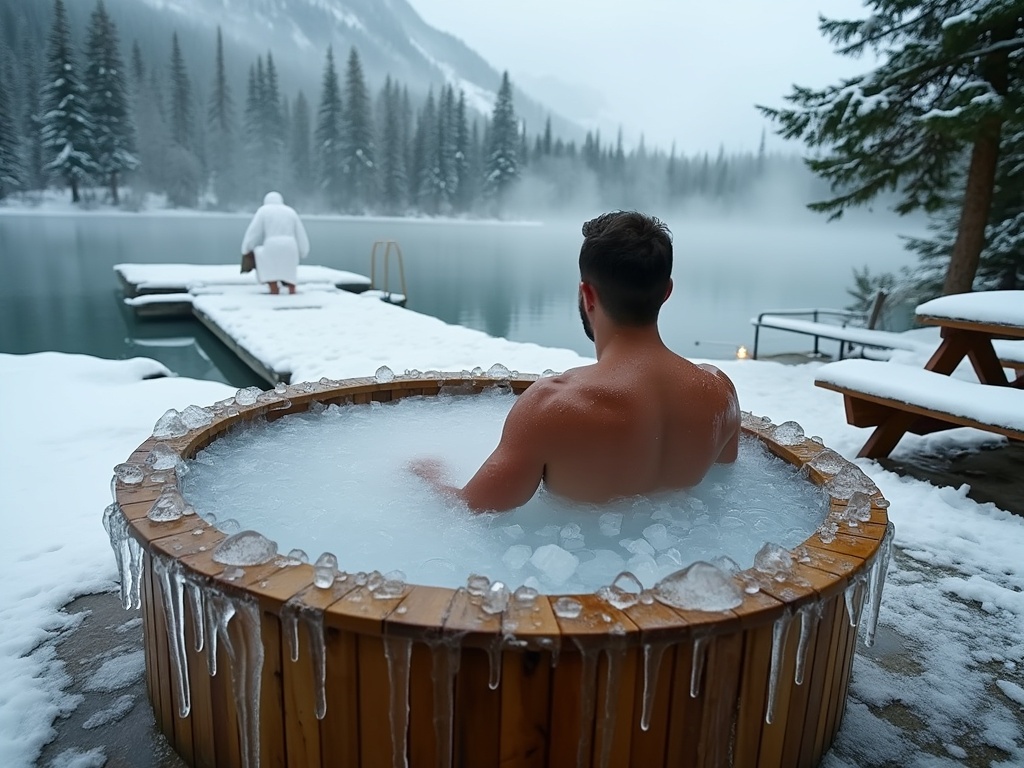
(113,188)
(74,192)
(970,235)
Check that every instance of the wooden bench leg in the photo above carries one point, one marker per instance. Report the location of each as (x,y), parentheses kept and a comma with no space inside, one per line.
(886,436)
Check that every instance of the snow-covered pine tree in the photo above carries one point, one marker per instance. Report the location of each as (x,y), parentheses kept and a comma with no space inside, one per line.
(220,121)
(113,146)
(300,152)
(465,189)
(330,135)
(444,153)
(272,127)
(394,182)
(151,135)
(425,157)
(32,153)
(949,82)
(11,171)
(184,170)
(360,155)
(502,168)
(66,125)
(181,98)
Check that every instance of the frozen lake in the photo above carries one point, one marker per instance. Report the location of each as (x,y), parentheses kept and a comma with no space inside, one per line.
(512,280)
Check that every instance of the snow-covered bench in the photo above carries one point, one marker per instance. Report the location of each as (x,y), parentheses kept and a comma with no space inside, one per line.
(899,398)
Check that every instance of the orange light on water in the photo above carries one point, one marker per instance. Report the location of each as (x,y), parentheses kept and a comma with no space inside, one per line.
(741,353)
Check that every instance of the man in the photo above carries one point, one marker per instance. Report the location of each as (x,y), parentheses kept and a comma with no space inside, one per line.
(277,238)
(640,420)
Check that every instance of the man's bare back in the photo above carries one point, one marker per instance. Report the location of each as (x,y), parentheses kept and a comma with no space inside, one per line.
(640,420)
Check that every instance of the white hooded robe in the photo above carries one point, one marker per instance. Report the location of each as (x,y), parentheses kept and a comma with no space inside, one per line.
(278,239)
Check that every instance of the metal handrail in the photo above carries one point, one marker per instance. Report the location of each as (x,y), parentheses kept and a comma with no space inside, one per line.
(388,245)
(815,314)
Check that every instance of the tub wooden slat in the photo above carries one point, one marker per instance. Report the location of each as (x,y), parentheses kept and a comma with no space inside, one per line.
(758,609)
(648,747)
(621,703)
(568,735)
(339,730)
(525,707)
(684,718)
(725,655)
(833,562)
(145,528)
(152,652)
(423,742)
(272,728)
(816,672)
(879,516)
(835,689)
(298,681)
(275,589)
(421,614)
(478,712)
(844,670)
(800,699)
(846,544)
(188,543)
(467,619)
(204,750)
(773,735)
(533,623)
(141,493)
(375,746)
(227,737)
(757,650)
(657,622)
(168,706)
(834,633)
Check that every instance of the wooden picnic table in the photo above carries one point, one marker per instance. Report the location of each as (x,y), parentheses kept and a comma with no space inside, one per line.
(924,401)
(969,323)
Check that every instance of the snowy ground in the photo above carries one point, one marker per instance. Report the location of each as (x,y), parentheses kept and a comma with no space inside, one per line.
(943,686)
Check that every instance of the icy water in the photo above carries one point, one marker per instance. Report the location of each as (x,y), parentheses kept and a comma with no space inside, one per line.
(338,481)
(517,281)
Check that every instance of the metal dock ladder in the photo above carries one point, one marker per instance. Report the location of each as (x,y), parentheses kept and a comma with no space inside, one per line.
(384,248)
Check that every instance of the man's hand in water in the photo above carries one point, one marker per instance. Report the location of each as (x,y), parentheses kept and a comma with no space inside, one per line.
(434,472)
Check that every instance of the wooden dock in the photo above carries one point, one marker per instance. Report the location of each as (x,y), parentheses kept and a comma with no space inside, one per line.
(168,290)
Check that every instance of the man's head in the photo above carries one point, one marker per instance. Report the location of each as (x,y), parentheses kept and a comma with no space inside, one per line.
(626,258)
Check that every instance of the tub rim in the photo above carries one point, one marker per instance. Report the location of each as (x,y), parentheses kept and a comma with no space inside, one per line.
(432,614)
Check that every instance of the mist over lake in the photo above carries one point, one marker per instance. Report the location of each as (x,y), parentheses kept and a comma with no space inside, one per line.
(516,280)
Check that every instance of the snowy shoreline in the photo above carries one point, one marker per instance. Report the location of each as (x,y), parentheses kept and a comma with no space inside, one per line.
(952,604)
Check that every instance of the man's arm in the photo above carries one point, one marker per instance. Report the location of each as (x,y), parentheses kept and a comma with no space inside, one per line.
(511,474)
(730,451)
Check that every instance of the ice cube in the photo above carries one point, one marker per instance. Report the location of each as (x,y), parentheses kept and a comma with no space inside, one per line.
(623,592)
(168,507)
(567,608)
(571,537)
(640,547)
(196,417)
(848,481)
(496,598)
(644,566)
(554,564)
(498,371)
(858,509)
(248,396)
(517,556)
(525,595)
(513,532)
(699,587)
(788,433)
(477,585)
(384,375)
(169,426)
(162,457)
(325,570)
(658,536)
(549,531)
(773,560)
(601,567)
(245,548)
(129,474)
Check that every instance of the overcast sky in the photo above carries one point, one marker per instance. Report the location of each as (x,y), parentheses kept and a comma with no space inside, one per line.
(677,70)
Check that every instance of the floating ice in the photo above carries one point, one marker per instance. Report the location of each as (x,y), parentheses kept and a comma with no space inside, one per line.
(658,536)
(610,523)
(788,433)
(248,396)
(571,537)
(567,608)
(383,375)
(513,532)
(325,570)
(773,560)
(129,474)
(245,548)
(604,561)
(196,417)
(498,371)
(517,556)
(554,564)
(699,587)
(169,506)
(169,426)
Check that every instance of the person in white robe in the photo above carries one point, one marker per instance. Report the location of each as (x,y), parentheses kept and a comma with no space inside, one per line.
(278,240)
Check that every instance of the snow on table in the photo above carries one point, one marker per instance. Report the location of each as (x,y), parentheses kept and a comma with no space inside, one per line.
(340,335)
(183,277)
(997,307)
(995,406)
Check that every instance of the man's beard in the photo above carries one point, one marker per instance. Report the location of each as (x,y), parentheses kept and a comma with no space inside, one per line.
(587,327)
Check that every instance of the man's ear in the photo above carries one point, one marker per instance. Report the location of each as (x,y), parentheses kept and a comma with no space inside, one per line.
(668,291)
(589,295)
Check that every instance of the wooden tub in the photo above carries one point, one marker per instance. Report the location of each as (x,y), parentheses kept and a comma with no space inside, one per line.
(525,687)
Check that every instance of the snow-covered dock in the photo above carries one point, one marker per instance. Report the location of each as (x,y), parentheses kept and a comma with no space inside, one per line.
(341,335)
(168,290)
